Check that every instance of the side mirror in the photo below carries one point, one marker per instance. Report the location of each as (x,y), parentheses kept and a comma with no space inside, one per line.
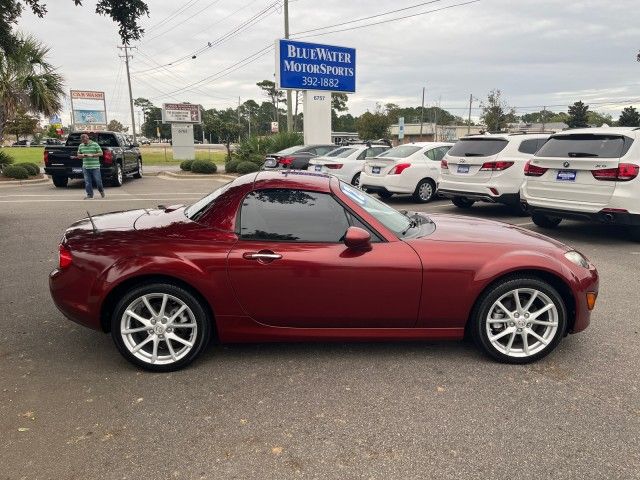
(357,239)
(135,145)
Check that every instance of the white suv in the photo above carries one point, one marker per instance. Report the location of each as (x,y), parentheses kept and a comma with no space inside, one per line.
(488,168)
(586,174)
(347,162)
(412,168)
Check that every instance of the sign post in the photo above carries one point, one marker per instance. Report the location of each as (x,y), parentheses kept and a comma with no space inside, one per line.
(317,70)
(88,110)
(182,117)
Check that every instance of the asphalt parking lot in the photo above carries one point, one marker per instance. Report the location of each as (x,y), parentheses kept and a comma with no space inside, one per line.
(72,407)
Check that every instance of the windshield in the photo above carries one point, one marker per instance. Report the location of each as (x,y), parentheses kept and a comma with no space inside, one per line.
(389,217)
(290,150)
(478,147)
(586,146)
(194,211)
(341,153)
(401,151)
(102,139)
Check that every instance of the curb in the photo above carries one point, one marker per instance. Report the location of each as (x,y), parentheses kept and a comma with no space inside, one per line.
(194,176)
(34,181)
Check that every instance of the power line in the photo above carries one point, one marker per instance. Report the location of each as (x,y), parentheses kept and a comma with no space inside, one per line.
(173,15)
(183,21)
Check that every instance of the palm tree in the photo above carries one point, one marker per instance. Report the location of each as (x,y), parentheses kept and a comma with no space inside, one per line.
(28,82)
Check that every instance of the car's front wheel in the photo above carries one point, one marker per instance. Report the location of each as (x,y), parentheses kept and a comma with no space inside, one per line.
(519,320)
(138,172)
(160,327)
(355,181)
(384,194)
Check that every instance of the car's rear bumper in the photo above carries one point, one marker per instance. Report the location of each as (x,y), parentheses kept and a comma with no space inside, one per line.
(505,198)
(612,217)
(386,183)
(70,173)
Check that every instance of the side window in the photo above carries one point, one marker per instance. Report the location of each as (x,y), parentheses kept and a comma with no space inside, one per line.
(323,150)
(432,154)
(442,151)
(375,151)
(541,142)
(287,215)
(364,154)
(529,146)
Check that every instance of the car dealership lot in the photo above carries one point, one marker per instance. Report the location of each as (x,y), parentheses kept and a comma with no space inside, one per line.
(365,410)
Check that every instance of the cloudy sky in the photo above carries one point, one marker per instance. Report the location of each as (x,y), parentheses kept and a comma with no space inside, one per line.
(538,52)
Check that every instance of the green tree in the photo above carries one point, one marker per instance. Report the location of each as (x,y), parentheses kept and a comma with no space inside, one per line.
(222,126)
(28,82)
(125,13)
(543,116)
(276,96)
(496,113)
(629,118)
(21,124)
(598,119)
(52,132)
(578,117)
(116,126)
(372,126)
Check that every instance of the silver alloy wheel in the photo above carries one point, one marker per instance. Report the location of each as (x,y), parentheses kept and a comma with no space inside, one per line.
(139,166)
(522,322)
(158,328)
(425,192)
(119,174)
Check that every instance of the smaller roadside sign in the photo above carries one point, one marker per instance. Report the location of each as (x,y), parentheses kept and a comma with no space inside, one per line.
(400,128)
(275,127)
(55,119)
(181,113)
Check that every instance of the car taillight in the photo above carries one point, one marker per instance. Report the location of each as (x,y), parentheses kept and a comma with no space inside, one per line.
(64,256)
(107,157)
(533,171)
(334,166)
(495,166)
(45,158)
(624,173)
(444,165)
(398,169)
(285,161)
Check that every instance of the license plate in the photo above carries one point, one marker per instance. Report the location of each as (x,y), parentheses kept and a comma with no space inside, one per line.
(566,176)
(375,170)
(463,168)
(318,168)
(76,170)
(270,162)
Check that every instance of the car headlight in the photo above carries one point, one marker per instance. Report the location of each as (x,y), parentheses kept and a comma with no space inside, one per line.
(577,259)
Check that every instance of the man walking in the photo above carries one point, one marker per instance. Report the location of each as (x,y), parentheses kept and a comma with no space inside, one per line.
(90,152)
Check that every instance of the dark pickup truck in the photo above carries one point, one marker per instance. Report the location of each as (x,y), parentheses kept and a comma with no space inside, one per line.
(119,159)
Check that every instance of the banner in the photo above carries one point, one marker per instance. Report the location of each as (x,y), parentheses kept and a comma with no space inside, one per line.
(89,117)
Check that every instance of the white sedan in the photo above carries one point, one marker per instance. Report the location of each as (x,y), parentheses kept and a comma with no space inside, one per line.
(346,162)
(412,168)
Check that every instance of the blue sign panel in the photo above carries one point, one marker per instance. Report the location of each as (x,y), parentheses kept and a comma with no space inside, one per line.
(312,66)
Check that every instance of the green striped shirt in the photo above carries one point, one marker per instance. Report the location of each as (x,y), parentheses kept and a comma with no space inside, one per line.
(88,149)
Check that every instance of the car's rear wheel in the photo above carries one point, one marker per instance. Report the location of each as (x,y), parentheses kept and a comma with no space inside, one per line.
(545,221)
(462,202)
(60,181)
(519,320)
(355,181)
(384,194)
(520,208)
(425,191)
(138,172)
(160,327)
(118,177)
(634,233)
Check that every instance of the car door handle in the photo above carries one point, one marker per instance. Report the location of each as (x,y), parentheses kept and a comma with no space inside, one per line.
(265,256)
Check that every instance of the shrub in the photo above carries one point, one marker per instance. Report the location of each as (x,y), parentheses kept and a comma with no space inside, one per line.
(31,168)
(15,171)
(203,166)
(5,159)
(253,149)
(186,165)
(232,166)
(247,167)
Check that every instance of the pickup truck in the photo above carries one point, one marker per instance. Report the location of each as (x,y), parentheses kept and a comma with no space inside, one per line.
(119,159)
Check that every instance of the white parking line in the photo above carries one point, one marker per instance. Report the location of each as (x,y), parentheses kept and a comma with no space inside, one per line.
(102,200)
(522,224)
(110,194)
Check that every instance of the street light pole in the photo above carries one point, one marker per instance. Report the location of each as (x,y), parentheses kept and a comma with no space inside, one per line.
(469,120)
(422,113)
(286,35)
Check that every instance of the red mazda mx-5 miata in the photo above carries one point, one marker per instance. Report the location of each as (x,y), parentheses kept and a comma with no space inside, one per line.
(297,256)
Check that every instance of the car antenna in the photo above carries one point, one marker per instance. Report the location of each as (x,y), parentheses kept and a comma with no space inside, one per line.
(95,230)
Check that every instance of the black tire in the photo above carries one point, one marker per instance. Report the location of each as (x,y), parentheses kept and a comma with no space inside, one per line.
(384,194)
(118,177)
(60,181)
(478,325)
(355,181)
(138,171)
(634,233)
(543,221)
(519,208)
(200,316)
(425,191)
(462,202)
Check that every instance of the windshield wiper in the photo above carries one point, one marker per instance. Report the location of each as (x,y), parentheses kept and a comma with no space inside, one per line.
(473,154)
(582,154)
(412,224)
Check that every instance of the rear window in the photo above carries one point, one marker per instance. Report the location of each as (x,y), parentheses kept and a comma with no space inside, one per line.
(290,150)
(401,151)
(102,139)
(341,152)
(478,147)
(586,146)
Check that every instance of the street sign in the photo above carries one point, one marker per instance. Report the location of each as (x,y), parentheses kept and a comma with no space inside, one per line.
(313,66)
(400,128)
(55,119)
(181,113)
(274,127)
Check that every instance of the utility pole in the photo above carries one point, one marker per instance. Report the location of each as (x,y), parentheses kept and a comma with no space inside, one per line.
(469,120)
(239,123)
(435,121)
(249,110)
(286,35)
(544,111)
(422,113)
(126,55)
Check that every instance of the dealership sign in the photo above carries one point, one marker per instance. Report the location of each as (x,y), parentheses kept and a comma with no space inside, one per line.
(181,113)
(88,110)
(312,66)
